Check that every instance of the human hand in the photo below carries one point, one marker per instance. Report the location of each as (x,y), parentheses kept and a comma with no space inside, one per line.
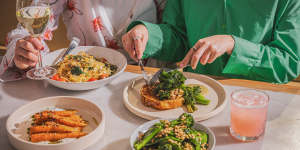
(26,52)
(206,50)
(135,41)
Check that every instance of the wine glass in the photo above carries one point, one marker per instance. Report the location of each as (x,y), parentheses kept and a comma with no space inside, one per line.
(34,16)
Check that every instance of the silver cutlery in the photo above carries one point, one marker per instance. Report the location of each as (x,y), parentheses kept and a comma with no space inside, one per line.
(145,76)
(74,43)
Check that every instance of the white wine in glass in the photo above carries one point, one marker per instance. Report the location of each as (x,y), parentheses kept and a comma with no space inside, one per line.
(34,16)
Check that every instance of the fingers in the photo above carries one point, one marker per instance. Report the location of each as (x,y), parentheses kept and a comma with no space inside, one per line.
(20,64)
(134,42)
(186,59)
(26,54)
(23,63)
(26,46)
(127,44)
(27,50)
(213,56)
(35,42)
(198,54)
(138,44)
(205,57)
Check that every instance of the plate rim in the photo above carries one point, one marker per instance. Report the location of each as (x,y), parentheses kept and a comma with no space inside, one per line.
(143,114)
(101,125)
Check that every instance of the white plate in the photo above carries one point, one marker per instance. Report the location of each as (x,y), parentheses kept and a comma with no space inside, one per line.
(20,120)
(216,93)
(113,57)
(144,127)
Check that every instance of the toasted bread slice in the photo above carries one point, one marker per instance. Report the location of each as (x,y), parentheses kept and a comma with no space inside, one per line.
(151,100)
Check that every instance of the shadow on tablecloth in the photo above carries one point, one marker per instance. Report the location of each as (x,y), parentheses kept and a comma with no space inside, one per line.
(224,138)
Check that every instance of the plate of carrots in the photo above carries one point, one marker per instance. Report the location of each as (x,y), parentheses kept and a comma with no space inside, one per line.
(54,126)
(58,123)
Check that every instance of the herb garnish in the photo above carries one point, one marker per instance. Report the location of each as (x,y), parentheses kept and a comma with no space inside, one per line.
(75,70)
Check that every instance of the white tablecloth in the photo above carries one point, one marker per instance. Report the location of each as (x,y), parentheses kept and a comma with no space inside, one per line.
(282,132)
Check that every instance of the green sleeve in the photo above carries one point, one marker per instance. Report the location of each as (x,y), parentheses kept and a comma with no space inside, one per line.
(277,61)
(166,41)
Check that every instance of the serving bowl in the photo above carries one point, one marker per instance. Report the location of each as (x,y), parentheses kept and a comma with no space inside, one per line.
(19,121)
(114,57)
(144,127)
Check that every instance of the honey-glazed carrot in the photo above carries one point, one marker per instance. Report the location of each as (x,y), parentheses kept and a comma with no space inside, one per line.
(53,128)
(73,120)
(54,136)
(49,123)
(76,118)
(69,122)
(65,113)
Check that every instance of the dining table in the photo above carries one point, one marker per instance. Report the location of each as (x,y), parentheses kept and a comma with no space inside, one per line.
(282,129)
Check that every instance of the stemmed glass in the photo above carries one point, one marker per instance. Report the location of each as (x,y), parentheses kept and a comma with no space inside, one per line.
(34,16)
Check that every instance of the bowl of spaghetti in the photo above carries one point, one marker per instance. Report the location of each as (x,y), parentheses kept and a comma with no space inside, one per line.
(86,67)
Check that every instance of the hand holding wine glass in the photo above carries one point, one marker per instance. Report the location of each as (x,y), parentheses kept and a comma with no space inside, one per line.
(34,17)
(27,52)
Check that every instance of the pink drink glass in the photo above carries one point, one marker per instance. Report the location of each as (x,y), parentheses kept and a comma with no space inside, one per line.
(248,114)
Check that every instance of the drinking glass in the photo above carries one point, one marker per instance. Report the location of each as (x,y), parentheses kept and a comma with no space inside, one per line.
(248,114)
(34,16)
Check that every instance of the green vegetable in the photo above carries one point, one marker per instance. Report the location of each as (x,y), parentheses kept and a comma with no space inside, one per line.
(147,137)
(164,94)
(75,70)
(192,95)
(113,68)
(165,147)
(204,137)
(90,68)
(77,57)
(184,119)
(200,99)
(153,139)
(167,82)
(171,80)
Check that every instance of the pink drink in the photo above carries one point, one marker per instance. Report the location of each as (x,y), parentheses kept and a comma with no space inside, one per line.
(248,114)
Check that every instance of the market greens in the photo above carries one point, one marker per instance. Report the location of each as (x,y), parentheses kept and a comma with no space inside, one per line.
(174,79)
(176,134)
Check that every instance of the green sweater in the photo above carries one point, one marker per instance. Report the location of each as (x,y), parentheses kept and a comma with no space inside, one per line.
(266,34)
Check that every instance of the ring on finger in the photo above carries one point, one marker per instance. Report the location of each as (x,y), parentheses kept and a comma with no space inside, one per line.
(194,48)
(138,37)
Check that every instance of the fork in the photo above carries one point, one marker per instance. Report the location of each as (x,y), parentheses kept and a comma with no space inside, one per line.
(140,63)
